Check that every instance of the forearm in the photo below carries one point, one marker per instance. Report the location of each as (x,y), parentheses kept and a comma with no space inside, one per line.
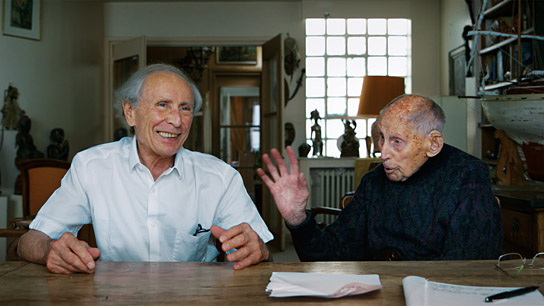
(34,246)
(313,244)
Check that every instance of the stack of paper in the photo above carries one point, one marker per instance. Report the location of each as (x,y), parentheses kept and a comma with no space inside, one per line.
(285,284)
(419,291)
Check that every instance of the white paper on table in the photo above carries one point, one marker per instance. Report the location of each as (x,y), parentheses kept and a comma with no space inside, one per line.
(420,292)
(285,284)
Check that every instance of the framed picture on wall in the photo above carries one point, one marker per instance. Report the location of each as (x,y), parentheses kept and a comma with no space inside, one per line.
(243,55)
(457,67)
(21,18)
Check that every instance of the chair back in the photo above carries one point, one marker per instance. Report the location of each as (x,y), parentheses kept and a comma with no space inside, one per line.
(40,177)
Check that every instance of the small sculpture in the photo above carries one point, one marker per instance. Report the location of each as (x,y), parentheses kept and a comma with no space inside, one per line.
(11,110)
(289,133)
(350,144)
(59,148)
(304,149)
(25,143)
(317,141)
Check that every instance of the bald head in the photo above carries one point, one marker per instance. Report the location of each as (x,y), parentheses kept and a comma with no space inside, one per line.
(422,113)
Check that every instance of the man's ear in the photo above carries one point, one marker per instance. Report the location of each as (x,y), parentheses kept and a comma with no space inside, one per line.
(130,116)
(436,143)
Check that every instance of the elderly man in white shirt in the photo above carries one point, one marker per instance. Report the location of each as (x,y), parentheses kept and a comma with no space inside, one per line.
(148,198)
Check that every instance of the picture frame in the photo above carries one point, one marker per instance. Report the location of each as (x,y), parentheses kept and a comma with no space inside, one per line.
(236,55)
(21,18)
(457,71)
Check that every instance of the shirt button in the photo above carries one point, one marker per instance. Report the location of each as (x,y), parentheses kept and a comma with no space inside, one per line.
(153,225)
(154,190)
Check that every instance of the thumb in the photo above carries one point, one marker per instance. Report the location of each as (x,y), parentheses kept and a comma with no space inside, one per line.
(95,253)
(217,231)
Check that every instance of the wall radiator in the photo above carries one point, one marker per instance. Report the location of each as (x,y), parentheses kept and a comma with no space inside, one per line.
(328,187)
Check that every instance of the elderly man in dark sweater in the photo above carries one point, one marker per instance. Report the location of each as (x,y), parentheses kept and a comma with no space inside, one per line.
(425,201)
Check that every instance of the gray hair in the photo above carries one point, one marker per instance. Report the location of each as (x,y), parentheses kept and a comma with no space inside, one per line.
(426,115)
(132,90)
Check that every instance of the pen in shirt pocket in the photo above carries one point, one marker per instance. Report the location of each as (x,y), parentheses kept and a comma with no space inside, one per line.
(200,229)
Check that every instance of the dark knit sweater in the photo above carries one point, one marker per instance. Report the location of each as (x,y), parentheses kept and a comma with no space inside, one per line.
(446,210)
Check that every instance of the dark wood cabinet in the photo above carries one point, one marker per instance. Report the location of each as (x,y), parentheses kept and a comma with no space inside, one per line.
(522,210)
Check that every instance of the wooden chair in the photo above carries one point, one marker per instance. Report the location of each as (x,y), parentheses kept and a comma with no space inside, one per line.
(40,177)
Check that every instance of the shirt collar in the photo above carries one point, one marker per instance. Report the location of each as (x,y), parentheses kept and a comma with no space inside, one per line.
(134,159)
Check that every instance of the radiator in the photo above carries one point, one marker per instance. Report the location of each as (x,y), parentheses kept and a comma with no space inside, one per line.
(328,187)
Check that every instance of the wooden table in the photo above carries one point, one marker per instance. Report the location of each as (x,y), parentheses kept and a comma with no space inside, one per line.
(217,283)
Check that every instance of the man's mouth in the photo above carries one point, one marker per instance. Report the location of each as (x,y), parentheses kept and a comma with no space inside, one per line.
(167,135)
(389,169)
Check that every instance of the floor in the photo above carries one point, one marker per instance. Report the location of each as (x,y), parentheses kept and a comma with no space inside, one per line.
(287,255)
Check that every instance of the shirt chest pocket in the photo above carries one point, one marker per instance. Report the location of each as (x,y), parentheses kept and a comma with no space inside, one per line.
(191,248)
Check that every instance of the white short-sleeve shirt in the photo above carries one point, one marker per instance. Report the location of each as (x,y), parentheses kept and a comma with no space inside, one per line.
(138,219)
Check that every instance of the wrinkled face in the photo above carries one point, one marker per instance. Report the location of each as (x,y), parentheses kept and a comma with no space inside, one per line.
(163,117)
(403,151)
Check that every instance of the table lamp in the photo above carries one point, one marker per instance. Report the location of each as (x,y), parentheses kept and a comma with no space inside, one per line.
(376,93)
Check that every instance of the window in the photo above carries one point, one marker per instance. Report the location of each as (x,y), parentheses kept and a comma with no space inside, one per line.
(339,53)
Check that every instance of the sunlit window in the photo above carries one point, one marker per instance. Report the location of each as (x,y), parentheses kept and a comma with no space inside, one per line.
(339,53)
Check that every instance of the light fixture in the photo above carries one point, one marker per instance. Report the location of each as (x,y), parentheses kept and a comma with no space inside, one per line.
(377,92)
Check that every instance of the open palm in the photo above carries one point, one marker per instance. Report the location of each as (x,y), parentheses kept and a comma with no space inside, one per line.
(288,187)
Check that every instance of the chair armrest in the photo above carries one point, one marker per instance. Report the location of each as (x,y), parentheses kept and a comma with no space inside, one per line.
(326,210)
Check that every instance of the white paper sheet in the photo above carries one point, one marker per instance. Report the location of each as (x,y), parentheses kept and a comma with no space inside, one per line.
(285,284)
(420,292)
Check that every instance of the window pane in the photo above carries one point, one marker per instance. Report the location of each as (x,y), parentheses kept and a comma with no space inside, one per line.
(356,26)
(315,87)
(336,66)
(377,66)
(376,26)
(336,45)
(397,45)
(331,149)
(356,45)
(336,87)
(360,130)
(353,106)
(376,45)
(397,66)
(354,86)
(397,26)
(313,104)
(315,26)
(356,66)
(336,26)
(336,106)
(315,66)
(335,128)
(315,46)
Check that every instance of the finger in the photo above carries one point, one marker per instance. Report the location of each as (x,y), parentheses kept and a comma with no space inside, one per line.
(217,231)
(302,181)
(265,178)
(293,161)
(82,255)
(279,161)
(95,253)
(270,166)
(246,262)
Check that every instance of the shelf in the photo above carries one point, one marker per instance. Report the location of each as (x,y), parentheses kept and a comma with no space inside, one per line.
(504,42)
(485,125)
(499,9)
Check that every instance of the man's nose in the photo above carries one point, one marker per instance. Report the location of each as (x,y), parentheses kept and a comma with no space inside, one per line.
(384,150)
(174,117)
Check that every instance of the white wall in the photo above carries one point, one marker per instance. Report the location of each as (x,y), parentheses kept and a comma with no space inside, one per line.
(263,20)
(59,77)
(454,17)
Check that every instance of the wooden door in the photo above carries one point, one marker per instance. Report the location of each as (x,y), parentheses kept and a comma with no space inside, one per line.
(125,58)
(272,103)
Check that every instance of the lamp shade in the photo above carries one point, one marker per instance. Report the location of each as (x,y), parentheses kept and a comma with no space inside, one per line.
(377,92)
